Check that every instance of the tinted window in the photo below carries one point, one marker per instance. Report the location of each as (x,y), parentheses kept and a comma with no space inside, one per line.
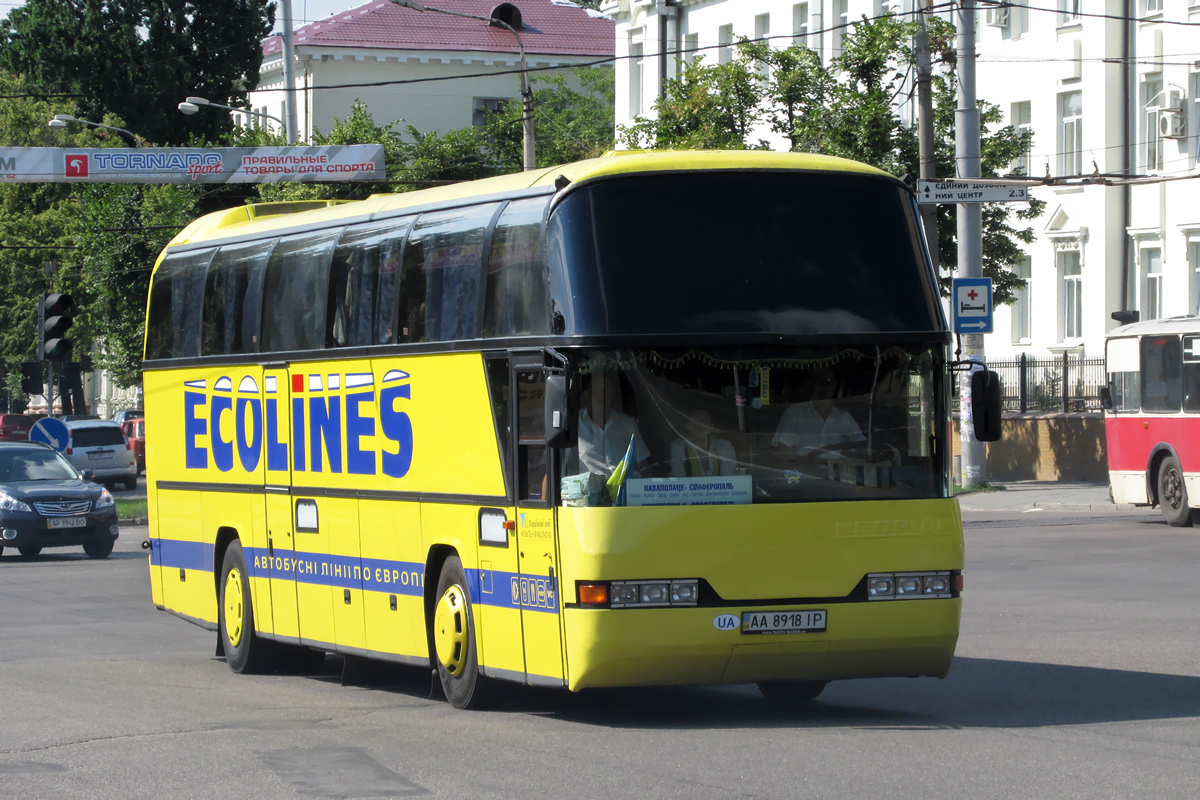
(518,301)
(440,285)
(35,465)
(19,420)
(1191,374)
(296,292)
(363,284)
(233,299)
(102,436)
(176,305)
(739,252)
(1161,384)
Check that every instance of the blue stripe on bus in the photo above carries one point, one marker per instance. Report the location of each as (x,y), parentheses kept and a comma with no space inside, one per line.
(488,587)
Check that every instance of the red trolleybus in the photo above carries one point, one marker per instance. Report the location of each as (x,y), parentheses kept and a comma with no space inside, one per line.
(1152,418)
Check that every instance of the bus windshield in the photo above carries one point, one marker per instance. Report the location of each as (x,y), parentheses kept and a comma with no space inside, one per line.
(739,252)
(713,426)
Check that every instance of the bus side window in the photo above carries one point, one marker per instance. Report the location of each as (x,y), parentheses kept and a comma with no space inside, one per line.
(231,308)
(440,283)
(1191,374)
(176,303)
(363,284)
(517,298)
(296,292)
(1162,387)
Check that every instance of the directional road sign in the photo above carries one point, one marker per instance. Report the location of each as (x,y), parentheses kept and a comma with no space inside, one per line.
(50,431)
(970,192)
(972,298)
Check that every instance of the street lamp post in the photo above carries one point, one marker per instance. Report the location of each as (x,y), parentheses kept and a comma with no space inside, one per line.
(62,120)
(194,104)
(526,93)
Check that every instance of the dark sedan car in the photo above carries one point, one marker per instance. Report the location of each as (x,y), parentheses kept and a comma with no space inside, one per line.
(45,502)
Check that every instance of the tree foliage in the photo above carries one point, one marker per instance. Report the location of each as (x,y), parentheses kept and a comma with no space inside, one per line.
(846,108)
(137,59)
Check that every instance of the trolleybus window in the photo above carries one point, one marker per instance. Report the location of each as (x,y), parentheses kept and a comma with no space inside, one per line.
(1191,374)
(364,283)
(233,299)
(296,291)
(1161,381)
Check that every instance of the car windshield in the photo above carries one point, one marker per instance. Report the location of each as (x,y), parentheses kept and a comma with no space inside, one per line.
(34,465)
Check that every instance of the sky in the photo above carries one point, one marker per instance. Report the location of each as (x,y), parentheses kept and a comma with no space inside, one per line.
(303,11)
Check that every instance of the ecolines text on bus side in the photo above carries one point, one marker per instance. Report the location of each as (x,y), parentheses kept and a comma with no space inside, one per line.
(326,411)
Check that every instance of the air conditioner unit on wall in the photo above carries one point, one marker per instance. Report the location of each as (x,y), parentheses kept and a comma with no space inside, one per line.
(997,17)
(1172,123)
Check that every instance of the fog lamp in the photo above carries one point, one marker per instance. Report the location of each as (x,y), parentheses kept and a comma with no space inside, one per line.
(937,584)
(9,533)
(624,593)
(684,592)
(881,587)
(115,530)
(906,585)
(654,593)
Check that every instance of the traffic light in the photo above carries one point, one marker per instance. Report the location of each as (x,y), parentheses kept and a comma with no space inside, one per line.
(32,377)
(56,316)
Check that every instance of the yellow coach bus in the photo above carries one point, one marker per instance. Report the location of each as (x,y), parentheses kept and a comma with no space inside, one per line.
(649,419)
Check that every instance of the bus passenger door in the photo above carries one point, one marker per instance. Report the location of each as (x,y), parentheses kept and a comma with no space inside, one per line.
(499,601)
(278,481)
(536,541)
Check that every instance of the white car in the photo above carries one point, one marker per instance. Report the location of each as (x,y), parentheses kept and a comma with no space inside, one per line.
(101,446)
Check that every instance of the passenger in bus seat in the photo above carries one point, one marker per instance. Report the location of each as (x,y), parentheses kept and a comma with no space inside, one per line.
(604,428)
(812,427)
(699,452)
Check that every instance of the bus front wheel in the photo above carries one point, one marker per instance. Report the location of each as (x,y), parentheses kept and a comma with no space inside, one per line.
(454,641)
(245,651)
(1172,494)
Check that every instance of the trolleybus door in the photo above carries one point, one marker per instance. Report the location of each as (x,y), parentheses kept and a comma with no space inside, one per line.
(537,550)
(280,542)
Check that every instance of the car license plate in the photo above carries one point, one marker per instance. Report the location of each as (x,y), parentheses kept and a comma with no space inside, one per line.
(100,456)
(66,522)
(784,621)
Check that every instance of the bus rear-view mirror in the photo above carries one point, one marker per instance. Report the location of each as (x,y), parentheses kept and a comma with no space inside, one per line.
(560,412)
(987,405)
(1106,398)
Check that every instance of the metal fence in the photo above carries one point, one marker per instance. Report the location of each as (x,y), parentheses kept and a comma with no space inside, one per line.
(1045,385)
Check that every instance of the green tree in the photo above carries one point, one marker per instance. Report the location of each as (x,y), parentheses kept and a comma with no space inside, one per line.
(138,58)
(571,124)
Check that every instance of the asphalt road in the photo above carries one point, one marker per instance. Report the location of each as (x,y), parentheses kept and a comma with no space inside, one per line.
(1078,675)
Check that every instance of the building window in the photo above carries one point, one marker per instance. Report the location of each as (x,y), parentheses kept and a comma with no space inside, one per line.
(1194,140)
(1018,18)
(1068,12)
(800,24)
(1021,118)
(762,30)
(1193,254)
(725,42)
(483,107)
(1152,101)
(1152,283)
(1152,7)
(1070,275)
(691,45)
(841,21)
(1022,318)
(1070,133)
(636,66)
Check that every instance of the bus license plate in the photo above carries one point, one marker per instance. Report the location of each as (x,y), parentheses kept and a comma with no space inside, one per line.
(784,621)
(66,522)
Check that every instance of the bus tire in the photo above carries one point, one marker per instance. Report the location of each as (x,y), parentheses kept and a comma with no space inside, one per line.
(454,655)
(791,693)
(1172,494)
(246,652)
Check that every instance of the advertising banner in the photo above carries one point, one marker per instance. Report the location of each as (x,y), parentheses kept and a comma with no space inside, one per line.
(354,162)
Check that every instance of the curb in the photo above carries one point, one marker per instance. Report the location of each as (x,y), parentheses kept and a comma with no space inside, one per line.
(133,523)
(1087,507)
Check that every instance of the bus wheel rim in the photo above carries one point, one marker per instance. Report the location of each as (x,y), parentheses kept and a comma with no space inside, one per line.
(234,607)
(1172,489)
(450,630)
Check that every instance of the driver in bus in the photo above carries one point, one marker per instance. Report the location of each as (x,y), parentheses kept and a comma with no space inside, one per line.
(816,427)
(604,426)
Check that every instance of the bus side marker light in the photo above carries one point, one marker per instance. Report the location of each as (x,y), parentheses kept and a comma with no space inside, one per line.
(593,593)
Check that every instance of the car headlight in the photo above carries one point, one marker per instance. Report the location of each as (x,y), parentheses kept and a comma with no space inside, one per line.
(105,500)
(10,503)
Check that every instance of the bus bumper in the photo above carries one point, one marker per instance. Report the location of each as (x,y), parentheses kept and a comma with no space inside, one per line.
(677,646)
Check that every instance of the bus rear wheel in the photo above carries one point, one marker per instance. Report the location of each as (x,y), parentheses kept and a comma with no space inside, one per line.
(791,693)
(453,638)
(245,651)
(1172,494)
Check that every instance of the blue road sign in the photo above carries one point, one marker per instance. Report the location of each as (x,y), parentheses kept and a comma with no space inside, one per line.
(50,431)
(972,299)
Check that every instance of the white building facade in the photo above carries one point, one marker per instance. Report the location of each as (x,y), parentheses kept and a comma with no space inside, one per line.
(1109,89)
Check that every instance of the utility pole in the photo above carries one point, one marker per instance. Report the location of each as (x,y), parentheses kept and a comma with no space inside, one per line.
(970,236)
(289,74)
(928,170)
